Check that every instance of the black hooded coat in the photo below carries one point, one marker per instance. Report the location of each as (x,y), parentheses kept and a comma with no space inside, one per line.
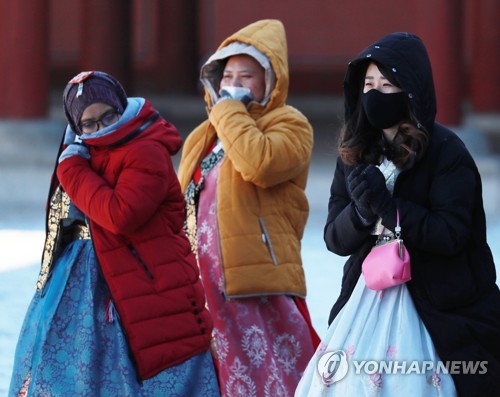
(440,202)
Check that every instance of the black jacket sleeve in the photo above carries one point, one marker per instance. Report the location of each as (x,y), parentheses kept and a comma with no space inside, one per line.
(344,232)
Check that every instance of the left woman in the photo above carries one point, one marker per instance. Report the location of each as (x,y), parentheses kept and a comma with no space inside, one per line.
(119,307)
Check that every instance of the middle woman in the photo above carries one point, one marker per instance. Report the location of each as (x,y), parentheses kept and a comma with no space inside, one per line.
(244,172)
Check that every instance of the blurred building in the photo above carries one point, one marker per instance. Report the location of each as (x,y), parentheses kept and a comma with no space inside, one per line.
(157,46)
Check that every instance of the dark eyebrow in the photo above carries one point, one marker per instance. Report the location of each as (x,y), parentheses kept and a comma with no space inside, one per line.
(242,71)
(382,78)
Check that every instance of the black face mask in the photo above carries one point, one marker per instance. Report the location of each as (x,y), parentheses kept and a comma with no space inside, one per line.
(384,110)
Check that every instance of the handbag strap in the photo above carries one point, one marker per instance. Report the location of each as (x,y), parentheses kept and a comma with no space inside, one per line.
(397,229)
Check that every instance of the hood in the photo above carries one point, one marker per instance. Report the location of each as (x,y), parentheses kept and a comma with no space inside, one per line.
(265,41)
(405,55)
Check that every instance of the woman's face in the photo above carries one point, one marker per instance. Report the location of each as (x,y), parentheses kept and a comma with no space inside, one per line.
(97,116)
(374,79)
(245,71)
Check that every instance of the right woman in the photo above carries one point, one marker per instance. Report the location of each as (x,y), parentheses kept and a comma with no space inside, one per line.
(394,157)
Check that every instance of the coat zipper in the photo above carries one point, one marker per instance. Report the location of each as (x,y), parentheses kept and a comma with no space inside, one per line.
(143,264)
(267,240)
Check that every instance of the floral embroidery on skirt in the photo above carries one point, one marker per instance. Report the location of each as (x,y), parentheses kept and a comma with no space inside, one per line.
(262,344)
(382,328)
(69,344)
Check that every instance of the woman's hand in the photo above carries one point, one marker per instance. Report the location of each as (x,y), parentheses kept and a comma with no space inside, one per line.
(380,200)
(242,94)
(358,188)
(75,146)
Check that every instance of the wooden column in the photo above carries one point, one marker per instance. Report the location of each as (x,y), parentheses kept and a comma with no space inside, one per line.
(24,59)
(440,27)
(178,69)
(106,39)
(485,56)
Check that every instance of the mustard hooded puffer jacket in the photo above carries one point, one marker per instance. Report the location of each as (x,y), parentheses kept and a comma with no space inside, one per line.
(261,203)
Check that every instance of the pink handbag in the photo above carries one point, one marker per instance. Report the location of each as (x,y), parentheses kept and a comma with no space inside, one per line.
(388,263)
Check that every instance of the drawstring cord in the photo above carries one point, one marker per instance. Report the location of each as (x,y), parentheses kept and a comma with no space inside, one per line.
(110,310)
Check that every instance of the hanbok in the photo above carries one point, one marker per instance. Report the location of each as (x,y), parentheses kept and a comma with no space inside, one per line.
(72,344)
(383,343)
(383,330)
(262,344)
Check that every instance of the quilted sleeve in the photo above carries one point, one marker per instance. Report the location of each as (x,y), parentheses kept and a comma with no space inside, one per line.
(267,151)
(123,206)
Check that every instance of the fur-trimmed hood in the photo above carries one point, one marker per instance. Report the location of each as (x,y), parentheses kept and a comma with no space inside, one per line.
(266,42)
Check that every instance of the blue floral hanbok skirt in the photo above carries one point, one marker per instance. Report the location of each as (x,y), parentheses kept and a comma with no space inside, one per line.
(72,342)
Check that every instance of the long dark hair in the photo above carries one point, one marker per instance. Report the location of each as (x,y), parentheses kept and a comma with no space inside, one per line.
(360,142)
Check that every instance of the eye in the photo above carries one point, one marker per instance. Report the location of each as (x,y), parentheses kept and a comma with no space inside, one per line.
(110,118)
(88,127)
(88,124)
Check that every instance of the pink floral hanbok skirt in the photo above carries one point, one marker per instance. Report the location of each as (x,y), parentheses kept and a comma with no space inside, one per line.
(261,345)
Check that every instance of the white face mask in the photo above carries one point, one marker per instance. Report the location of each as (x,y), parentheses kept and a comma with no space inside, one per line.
(234,92)
(242,94)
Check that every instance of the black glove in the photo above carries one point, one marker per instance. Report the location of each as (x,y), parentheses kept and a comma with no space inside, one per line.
(357,186)
(381,200)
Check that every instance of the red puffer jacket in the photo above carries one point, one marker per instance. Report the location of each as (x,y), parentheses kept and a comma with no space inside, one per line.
(131,194)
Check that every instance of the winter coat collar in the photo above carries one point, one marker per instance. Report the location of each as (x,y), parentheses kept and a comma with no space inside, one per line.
(135,122)
(133,108)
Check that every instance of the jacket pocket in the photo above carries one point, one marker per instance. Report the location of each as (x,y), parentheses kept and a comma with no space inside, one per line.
(266,238)
(142,263)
